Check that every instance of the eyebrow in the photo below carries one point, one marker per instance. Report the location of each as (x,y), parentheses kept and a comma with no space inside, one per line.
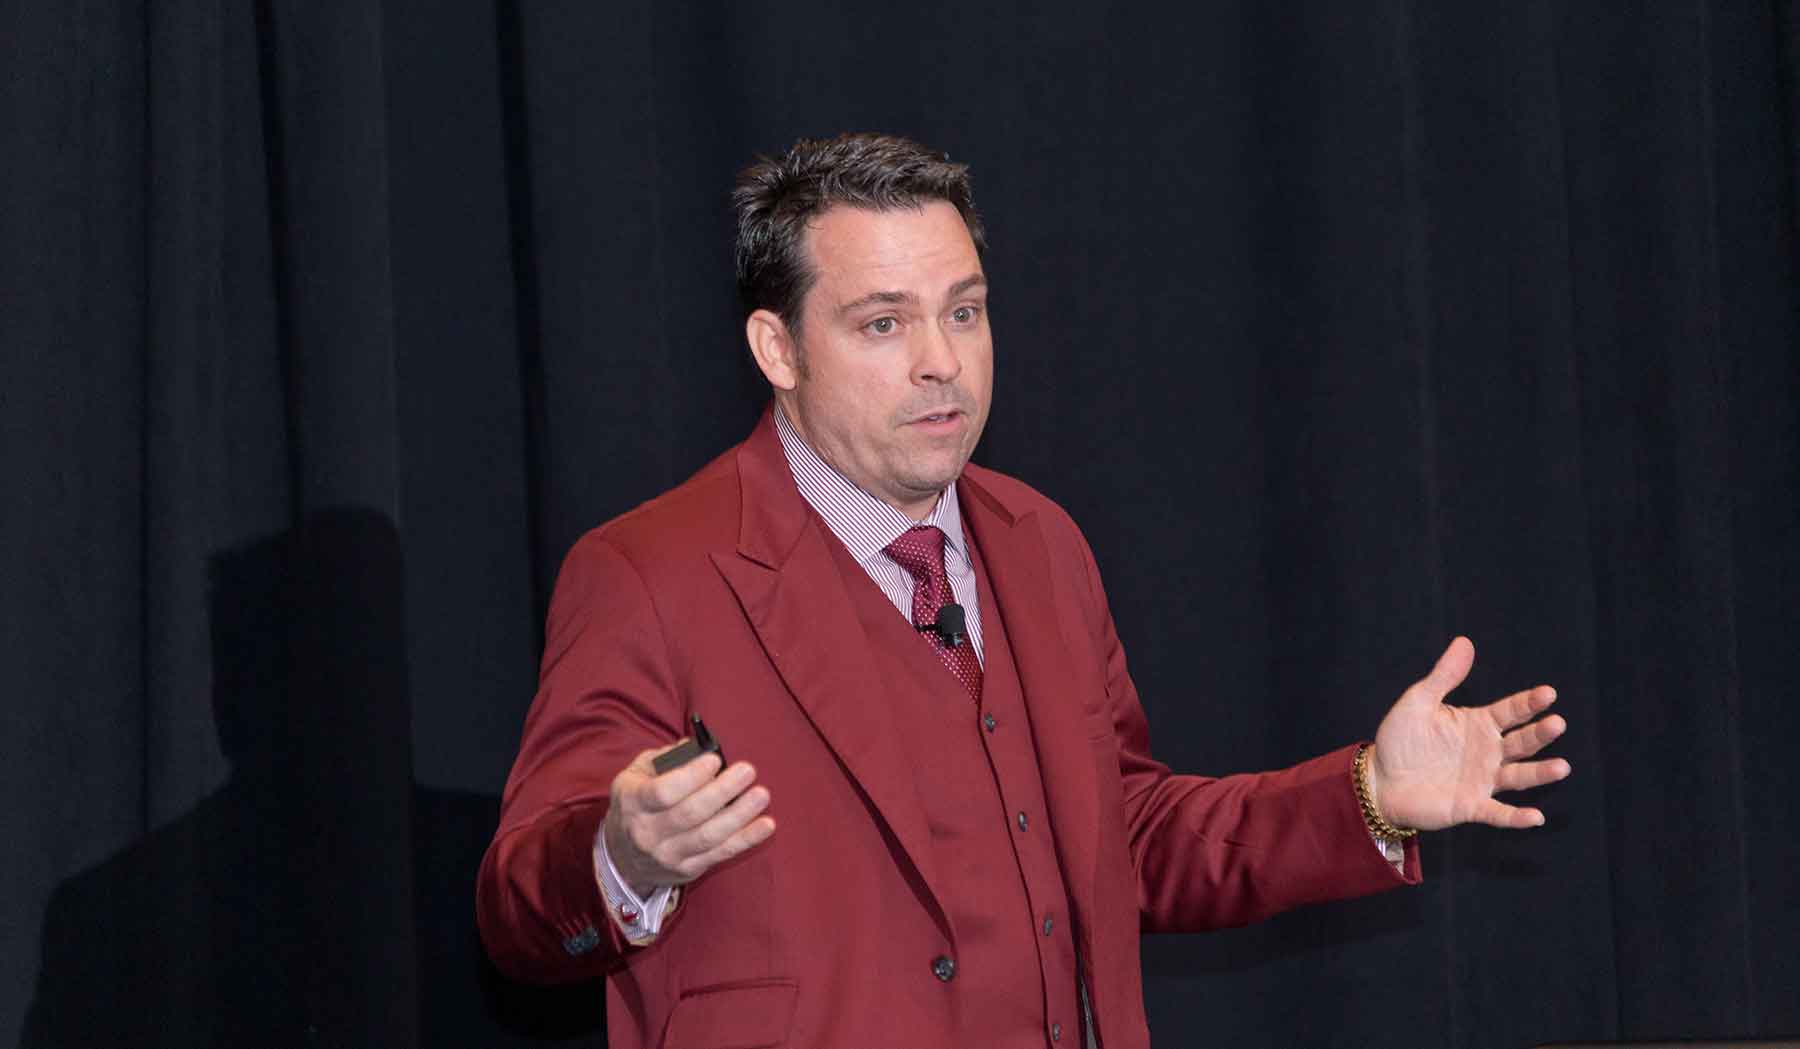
(973,280)
(903,298)
(893,298)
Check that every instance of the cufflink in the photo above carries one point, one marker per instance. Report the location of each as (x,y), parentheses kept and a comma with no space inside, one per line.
(582,942)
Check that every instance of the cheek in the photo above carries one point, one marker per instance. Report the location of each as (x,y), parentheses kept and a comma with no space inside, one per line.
(861,410)
(982,378)
(981,357)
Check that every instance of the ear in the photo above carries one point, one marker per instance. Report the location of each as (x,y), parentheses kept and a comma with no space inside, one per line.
(774,348)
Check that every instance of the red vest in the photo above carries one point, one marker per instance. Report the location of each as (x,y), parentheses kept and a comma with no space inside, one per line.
(976,773)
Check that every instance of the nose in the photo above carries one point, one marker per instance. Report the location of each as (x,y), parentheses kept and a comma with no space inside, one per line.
(936,360)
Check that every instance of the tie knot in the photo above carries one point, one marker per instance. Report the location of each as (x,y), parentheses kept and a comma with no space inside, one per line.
(919,550)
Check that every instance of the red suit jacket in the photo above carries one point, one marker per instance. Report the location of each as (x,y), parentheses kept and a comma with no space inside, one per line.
(722,598)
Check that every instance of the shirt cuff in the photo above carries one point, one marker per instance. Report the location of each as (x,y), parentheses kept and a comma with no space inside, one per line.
(1391,851)
(639,919)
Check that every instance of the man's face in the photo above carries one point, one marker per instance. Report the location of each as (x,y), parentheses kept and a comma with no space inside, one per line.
(896,360)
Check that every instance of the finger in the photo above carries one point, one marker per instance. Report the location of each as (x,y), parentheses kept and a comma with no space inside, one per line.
(1524,775)
(1520,707)
(748,837)
(1527,740)
(1509,817)
(705,802)
(1452,667)
(672,787)
(685,851)
(628,786)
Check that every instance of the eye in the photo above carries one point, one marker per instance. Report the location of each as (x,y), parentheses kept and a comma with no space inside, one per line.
(964,314)
(882,325)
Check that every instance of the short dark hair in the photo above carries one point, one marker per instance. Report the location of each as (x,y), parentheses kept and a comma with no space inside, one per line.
(775,199)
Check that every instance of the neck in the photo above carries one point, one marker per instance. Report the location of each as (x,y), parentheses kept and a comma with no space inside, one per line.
(915,509)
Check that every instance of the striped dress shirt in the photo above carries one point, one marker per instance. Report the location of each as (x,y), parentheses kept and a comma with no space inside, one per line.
(866,525)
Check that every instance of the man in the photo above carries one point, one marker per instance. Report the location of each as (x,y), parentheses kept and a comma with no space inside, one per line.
(972,829)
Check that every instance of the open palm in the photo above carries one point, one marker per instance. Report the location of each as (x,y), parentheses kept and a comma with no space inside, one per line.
(1435,765)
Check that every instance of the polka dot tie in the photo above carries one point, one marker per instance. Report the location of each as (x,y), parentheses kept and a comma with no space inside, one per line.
(920,550)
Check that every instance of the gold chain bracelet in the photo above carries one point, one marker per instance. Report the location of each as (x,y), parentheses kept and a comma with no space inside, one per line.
(1378,826)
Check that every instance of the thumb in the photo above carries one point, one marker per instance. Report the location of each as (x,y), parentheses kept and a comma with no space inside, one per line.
(1452,667)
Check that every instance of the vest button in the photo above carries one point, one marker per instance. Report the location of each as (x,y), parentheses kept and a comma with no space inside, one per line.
(988,722)
(1056,1032)
(1049,923)
(1023,822)
(943,968)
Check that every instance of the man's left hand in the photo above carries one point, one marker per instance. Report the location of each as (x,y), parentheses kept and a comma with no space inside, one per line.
(1435,765)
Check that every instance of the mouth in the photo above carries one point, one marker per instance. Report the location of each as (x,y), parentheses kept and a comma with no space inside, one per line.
(948,415)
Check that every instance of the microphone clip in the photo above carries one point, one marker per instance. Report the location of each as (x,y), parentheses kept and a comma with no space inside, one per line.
(949,625)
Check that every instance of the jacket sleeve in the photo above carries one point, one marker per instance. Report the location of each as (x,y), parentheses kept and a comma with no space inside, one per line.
(1214,852)
(605,694)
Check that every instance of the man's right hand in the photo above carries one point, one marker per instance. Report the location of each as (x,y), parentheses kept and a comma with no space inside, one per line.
(670,829)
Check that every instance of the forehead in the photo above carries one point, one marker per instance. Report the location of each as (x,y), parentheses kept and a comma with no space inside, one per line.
(924,250)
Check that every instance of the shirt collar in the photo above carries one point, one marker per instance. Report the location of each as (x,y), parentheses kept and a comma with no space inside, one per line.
(863,523)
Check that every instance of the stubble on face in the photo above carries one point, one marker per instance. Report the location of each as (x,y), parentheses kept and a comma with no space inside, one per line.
(898,357)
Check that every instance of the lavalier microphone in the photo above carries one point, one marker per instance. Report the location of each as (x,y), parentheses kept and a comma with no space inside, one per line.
(949,627)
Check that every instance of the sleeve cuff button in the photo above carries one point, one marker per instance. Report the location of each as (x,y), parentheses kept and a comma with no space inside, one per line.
(582,942)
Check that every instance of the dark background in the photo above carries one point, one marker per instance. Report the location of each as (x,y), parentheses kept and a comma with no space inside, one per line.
(1341,327)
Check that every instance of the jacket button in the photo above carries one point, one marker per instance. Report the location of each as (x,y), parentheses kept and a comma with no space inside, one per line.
(943,968)
(1049,924)
(582,942)
(988,722)
(1056,1032)
(1023,822)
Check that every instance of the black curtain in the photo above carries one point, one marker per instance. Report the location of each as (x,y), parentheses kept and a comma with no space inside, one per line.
(325,329)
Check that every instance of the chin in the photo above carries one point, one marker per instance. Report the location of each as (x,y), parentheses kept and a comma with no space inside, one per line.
(935,471)
(934,481)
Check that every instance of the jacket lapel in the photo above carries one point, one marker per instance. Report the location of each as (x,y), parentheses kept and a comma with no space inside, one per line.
(1018,565)
(789,586)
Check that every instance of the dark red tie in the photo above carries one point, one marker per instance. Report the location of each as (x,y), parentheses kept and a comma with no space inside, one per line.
(920,550)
